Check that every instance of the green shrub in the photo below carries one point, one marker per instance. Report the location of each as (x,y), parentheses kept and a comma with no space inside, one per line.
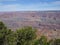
(26,35)
(41,41)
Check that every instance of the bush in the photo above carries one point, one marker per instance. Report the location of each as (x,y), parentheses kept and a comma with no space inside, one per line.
(3,30)
(7,37)
(10,38)
(26,35)
(41,41)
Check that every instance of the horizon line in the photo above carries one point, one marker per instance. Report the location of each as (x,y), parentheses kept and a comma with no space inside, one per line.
(29,10)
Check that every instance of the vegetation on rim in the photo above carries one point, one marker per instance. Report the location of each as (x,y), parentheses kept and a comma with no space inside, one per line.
(23,36)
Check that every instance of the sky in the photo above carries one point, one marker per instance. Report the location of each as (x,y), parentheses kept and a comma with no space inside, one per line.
(29,5)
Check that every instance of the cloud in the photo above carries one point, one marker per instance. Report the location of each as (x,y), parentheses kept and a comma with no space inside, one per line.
(21,7)
(7,0)
(56,2)
(11,7)
(31,7)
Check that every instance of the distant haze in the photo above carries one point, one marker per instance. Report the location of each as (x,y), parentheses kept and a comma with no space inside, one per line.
(37,19)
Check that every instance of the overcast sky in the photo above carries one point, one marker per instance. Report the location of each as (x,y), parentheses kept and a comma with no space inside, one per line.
(29,5)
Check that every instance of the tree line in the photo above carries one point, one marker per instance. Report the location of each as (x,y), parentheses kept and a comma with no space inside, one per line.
(23,36)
